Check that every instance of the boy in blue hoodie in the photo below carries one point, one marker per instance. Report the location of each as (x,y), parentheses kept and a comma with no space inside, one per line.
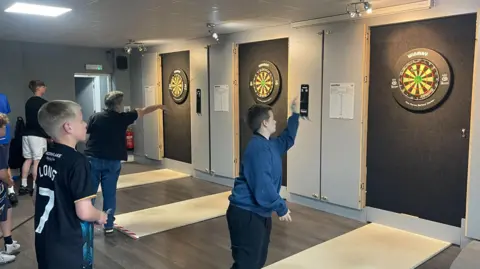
(256,192)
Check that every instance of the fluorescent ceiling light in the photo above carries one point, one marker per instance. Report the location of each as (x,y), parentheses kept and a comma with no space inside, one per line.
(37,10)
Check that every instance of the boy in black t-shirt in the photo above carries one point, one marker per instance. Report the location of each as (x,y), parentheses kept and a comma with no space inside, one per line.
(64,213)
(34,140)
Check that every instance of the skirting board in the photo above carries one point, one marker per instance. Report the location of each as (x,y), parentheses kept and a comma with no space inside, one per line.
(415,225)
(341,211)
(166,163)
(225,181)
(178,166)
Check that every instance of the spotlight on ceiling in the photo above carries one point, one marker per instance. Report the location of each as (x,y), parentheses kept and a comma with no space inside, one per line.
(368,7)
(142,48)
(131,44)
(42,10)
(212,32)
(355,9)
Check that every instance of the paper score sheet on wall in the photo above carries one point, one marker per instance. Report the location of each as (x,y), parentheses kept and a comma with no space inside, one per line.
(221,97)
(149,95)
(342,100)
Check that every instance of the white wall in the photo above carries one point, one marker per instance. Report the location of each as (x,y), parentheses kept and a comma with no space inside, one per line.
(326,149)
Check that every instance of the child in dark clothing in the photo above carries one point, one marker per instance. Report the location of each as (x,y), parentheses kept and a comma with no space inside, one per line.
(64,214)
(255,194)
(11,246)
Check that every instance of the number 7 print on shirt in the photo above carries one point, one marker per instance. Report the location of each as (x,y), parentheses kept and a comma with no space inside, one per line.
(48,208)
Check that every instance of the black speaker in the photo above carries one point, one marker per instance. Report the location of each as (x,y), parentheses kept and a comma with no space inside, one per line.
(122,62)
(304,92)
(199,101)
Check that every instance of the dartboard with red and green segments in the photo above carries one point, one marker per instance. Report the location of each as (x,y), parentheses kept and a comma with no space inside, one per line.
(265,82)
(419,79)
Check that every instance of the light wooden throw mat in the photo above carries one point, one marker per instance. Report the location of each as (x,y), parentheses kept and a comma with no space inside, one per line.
(370,247)
(170,216)
(149,177)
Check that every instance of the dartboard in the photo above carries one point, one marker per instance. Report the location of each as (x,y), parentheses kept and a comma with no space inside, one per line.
(178,86)
(419,79)
(422,81)
(265,82)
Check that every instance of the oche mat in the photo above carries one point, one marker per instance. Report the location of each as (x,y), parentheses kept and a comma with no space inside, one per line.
(138,179)
(372,246)
(166,217)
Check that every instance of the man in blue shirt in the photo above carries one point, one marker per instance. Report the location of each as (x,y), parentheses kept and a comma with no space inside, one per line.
(256,192)
(5,144)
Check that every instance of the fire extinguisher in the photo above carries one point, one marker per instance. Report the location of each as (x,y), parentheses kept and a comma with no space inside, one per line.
(129,138)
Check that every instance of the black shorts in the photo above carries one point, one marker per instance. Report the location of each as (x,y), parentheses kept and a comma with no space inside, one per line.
(4,154)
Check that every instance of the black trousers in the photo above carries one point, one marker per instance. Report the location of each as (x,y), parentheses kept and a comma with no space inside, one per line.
(249,236)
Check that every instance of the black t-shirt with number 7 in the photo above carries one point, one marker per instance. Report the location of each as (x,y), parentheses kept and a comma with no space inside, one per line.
(62,240)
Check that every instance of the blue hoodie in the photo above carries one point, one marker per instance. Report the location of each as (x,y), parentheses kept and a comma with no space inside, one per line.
(5,109)
(257,188)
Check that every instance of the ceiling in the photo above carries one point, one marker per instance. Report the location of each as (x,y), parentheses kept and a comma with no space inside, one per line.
(110,23)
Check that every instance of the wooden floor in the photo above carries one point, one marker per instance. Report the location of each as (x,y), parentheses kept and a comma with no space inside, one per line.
(203,245)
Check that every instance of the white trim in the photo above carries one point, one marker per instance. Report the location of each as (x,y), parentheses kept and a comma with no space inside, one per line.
(415,6)
(412,224)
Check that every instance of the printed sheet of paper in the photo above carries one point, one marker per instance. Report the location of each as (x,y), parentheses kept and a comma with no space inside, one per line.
(220,98)
(342,100)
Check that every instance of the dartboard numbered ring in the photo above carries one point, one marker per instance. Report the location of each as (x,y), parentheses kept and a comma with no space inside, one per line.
(422,79)
(265,83)
(178,86)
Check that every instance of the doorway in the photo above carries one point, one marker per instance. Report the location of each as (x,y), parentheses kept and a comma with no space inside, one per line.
(90,89)
(417,153)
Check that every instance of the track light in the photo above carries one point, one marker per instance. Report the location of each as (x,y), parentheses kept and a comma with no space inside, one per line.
(368,7)
(131,43)
(354,11)
(390,10)
(212,32)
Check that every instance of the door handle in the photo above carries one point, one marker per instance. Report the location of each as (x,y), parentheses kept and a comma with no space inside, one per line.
(464,133)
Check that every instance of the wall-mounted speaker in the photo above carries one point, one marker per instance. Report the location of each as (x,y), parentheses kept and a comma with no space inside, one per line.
(122,62)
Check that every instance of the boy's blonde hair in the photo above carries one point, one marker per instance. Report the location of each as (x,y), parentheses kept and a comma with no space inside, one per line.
(3,120)
(52,115)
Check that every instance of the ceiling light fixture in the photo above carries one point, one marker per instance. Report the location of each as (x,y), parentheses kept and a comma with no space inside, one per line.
(31,9)
(132,43)
(391,10)
(212,32)
(355,9)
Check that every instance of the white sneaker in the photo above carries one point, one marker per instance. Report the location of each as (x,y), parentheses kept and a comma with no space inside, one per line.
(12,248)
(5,258)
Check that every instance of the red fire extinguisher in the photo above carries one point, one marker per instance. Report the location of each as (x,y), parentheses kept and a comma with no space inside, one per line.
(129,138)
